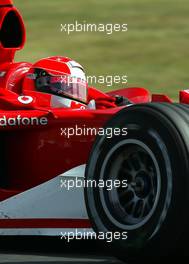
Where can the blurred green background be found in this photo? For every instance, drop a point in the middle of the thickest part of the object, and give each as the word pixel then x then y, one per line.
pixel 153 53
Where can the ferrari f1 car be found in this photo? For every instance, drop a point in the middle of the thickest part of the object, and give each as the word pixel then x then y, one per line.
pixel 42 152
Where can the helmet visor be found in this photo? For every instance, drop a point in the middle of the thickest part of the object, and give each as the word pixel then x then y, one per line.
pixel 64 85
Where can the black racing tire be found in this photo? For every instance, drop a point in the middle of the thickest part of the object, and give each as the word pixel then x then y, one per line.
pixel 153 158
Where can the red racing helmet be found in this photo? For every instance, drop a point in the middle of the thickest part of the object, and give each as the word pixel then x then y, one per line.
pixel 59 76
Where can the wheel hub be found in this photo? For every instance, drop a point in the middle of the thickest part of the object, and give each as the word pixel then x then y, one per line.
pixel 134 162
pixel 142 184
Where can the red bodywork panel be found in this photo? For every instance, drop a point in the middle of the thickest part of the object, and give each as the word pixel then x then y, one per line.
pixel 161 98
pixel 43 153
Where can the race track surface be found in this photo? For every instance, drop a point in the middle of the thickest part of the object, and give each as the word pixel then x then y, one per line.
pixel 52 251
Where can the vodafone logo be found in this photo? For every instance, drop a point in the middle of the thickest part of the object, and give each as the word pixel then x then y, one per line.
pixel 25 99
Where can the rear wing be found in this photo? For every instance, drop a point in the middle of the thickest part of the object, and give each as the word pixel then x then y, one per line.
pixel 12 31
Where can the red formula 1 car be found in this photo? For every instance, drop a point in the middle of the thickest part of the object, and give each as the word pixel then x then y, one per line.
pixel 51 143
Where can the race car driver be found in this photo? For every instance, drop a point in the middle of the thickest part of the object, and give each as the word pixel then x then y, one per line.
pixel 65 81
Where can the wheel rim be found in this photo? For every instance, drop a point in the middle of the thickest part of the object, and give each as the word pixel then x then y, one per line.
pixel 131 207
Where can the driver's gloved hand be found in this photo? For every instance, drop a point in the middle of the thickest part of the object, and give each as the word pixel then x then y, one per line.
pixel 121 100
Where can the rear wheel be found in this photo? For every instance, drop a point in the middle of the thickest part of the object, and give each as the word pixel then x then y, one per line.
pixel 153 159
